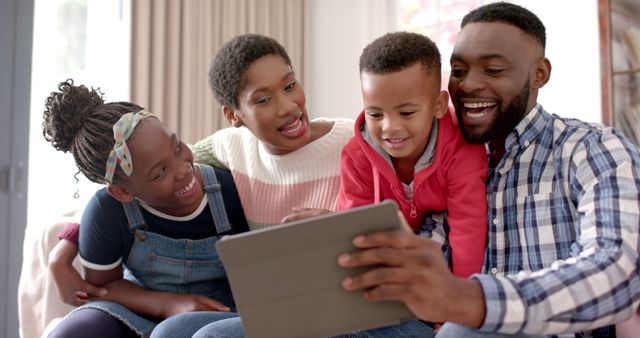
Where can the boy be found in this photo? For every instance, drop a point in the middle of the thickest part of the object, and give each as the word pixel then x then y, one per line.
pixel 407 147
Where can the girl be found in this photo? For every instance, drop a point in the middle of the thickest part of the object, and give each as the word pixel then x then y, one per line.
pixel 148 237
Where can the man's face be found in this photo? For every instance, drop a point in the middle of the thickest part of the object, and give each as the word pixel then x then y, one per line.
pixel 492 67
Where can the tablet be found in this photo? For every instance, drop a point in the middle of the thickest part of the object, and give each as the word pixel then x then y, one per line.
pixel 287 283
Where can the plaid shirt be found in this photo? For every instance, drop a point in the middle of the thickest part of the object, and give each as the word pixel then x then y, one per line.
pixel 562 251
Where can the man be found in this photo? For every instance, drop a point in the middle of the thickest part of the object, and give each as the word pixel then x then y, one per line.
pixel 563 197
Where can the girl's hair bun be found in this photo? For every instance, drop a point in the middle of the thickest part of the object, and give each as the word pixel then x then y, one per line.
pixel 66 113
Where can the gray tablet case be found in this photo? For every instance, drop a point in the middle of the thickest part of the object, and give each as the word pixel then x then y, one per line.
pixel 287 283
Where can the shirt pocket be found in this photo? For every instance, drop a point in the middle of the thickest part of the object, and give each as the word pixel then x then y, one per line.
pixel 545 236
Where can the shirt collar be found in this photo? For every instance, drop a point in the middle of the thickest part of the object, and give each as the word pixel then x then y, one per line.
pixel 528 129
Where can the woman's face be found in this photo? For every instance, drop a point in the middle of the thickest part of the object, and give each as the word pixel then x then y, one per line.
pixel 272 105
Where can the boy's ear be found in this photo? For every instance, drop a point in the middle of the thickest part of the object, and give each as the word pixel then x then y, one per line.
pixel 232 116
pixel 442 103
pixel 120 193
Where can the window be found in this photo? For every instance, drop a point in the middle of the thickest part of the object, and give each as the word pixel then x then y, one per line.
pixel 439 20
pixel 88 41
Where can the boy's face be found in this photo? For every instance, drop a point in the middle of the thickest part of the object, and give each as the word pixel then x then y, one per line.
pixel 163 174
pixel 495 72
pixel 400 108
pixel 272 106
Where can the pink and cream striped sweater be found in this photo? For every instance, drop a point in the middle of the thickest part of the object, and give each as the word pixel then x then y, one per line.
pixel 270 186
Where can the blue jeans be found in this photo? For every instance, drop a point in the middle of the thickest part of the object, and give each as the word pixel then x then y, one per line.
pixel 451 330
pixel 195 324
pixel 410 329
pixel 232 328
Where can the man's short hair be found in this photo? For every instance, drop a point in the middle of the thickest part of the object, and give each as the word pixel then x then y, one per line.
pixel 510 14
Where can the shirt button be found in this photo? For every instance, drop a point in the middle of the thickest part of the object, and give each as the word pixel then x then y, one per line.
pixel 494 270
pixel 526 143
pixel 496 221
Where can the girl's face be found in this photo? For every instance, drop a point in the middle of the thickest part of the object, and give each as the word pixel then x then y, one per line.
pixel 272 106
pixel 163 173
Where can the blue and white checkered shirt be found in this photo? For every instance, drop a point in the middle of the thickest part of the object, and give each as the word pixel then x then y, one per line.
pixel 564 219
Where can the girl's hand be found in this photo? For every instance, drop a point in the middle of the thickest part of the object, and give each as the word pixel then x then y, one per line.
pixel 179 303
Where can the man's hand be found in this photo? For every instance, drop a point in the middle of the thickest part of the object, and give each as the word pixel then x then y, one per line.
pixel 411 269
pixel 72 289
pixel 303 213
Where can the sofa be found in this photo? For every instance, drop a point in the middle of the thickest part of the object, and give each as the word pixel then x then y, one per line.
pixel 39 307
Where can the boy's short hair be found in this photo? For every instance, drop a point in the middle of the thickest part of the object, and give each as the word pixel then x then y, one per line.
pixel 393 52
pixel 510 14
pixel 232 61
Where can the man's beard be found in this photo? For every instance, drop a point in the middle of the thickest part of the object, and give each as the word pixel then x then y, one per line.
pixel 503 123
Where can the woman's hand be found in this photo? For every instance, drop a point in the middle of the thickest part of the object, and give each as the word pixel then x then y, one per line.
pixel 303 213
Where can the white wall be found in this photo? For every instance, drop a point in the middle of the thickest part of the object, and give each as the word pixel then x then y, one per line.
pixel 573 47
pixel 337 30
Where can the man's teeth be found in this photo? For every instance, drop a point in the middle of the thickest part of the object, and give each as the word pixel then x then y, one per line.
pixel 475 105
pixel 189 187
pixel 476 115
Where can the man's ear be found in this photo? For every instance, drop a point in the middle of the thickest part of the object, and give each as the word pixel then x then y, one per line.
pixel 232 116
pixel 542 73
pixel 120 193
pixel 442 103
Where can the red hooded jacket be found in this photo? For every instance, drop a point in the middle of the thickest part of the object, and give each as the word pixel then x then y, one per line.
pixel 454 181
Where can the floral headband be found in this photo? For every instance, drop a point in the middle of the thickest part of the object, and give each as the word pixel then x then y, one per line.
pixel 120 154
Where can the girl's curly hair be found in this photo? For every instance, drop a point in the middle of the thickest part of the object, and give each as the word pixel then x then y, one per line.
pixel 77 119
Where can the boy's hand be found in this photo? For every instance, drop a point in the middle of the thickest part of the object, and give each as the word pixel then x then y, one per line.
pixel 72 289
pixel 178 303
pixel 303 213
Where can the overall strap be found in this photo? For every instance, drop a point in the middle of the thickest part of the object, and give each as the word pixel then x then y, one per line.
pixel 214 197
pixel 134 216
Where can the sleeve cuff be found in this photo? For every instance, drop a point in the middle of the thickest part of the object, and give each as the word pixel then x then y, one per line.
pixel 505 312
pixel 70 232
pixel 493 295
pixel 100 267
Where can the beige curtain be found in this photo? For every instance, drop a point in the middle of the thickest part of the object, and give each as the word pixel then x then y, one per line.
pixel 174 41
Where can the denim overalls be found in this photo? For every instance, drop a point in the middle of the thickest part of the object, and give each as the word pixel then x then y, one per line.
pixel 161 263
